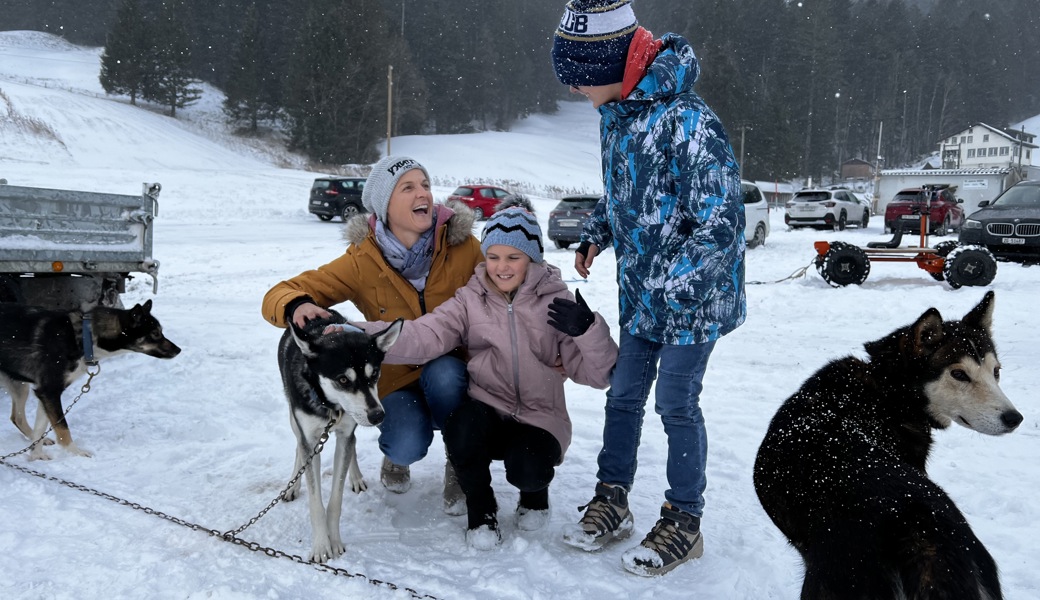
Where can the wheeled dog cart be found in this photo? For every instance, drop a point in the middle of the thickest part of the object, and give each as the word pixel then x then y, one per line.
pixel 841 264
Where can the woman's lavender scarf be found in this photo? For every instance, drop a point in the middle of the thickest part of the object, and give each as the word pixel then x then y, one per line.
pixel 412 263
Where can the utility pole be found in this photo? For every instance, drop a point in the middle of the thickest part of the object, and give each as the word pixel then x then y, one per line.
pixel 743 128
pixel 389 104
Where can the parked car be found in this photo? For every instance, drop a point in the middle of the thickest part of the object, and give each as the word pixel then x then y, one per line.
pixel 825 208
pixel 1009 226
pixel 483 199
pixel 567 217
pixel 945 213
pixel 756 210
pixel 336 197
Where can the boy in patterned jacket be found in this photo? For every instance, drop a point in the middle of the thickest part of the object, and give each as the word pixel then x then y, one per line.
pixel 671 210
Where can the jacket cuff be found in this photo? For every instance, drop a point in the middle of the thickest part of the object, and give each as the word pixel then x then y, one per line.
pixel 293 304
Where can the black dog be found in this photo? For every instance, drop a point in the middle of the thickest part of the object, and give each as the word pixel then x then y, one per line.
pixel 841 471
pixel 46 349
pixel 331 378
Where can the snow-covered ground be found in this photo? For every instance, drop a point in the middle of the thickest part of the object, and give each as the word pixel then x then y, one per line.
pixel 205 437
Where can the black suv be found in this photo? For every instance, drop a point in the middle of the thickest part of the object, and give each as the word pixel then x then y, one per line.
pixel 336 196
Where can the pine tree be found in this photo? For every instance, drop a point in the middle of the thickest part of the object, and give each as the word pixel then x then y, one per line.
pixel 247 89
pixel 123 60
pixel 169 81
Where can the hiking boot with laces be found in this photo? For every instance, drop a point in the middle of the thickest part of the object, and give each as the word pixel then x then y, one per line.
pixel 454 497
pixel 396 478
pixel 607 519
pixel 675 539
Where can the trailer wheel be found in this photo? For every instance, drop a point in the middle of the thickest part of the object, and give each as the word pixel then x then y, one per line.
pixel 11 290
pixel 943 249
pixel 844 264
pixel 970 266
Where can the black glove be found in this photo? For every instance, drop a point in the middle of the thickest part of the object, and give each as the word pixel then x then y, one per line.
pixel 583 249
pixel 570 317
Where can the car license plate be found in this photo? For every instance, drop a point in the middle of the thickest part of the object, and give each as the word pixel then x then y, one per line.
pixel 315 202
pixel 568 222
pixel 911 217
pixel 1012 241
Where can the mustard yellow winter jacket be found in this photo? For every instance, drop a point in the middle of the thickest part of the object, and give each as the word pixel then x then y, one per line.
pixel 363 277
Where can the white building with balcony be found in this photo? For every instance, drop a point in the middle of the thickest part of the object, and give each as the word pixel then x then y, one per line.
pixel 983 147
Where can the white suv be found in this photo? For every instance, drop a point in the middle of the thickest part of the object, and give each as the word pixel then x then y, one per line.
pixel 831 209
pixel 756 210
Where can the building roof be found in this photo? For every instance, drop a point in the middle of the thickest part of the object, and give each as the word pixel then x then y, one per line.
pixel 938 172
pixel 1012 136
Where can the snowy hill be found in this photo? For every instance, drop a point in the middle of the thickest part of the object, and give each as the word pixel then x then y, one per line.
pixel 205 438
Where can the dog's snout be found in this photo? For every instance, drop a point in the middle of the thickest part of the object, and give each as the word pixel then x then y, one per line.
pixel 375 416
pixel 1011 419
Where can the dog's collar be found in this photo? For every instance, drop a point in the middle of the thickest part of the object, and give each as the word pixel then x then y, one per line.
pixel 88 340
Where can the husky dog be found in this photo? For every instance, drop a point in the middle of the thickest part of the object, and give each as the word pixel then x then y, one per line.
pixel 331 377
pixel 48 350
pixel 841 471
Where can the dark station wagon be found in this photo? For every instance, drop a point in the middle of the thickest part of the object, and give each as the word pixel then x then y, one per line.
pixel 336 197
pixel 1009 226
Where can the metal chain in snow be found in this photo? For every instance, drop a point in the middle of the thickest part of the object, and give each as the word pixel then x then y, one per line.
pixel 795 275
pixel 230 536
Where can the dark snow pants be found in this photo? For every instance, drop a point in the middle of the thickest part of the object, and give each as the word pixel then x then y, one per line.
pixel 474 435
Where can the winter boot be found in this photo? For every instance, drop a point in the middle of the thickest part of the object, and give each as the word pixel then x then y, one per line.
pixel 675 539
pixel 482 532
pixel 607 519
pixel 532 513
pixel 396 478
pixel 454 497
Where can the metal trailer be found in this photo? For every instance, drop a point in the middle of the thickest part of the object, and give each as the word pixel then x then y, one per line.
pixel 65 249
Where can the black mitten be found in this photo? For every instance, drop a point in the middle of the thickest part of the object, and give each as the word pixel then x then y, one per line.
pixel 570 317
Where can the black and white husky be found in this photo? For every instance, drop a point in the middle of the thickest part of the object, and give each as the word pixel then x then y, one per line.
pixel 48 350
pixel 841 471
pixel 331 377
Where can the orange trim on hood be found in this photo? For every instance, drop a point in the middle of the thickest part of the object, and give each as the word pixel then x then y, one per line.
pixel 641 53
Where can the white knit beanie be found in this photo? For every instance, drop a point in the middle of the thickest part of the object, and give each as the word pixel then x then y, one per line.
pixel 382 181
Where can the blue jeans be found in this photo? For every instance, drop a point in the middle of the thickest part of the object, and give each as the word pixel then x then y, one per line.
pixel 678 371
pixel 413 413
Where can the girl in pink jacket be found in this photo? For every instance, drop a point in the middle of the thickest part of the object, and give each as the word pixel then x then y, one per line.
pixel 525 335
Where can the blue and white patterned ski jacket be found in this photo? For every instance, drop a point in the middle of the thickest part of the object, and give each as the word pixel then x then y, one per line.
pixel 671 207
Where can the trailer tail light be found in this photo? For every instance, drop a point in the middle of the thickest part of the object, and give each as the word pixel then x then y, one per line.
pixel 57 266
pixel 822 247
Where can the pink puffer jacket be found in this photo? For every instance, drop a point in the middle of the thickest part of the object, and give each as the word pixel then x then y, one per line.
pixel 512 347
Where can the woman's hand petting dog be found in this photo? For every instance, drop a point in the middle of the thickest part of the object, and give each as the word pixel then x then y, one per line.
pixel 307 312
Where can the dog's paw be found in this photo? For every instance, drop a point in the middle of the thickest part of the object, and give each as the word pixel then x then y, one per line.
pixel 326 551
pixel 77 451
pixel 358 485
pixel 47 442
pixel 292 493
pixel 38 454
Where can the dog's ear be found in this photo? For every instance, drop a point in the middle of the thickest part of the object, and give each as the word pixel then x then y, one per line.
pixel 386 338
pixel 926 333
pixel 303 340
pixel 981 317
pixel 147 306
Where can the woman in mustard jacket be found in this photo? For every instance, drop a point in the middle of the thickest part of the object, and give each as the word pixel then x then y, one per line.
pixel 406 258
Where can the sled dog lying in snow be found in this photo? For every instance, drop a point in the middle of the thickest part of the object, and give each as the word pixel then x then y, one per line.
pixel 331 378
pixel 46 349
pixel 841 471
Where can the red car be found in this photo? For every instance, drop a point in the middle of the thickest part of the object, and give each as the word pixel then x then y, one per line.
pixel 945 211
pixel 483 199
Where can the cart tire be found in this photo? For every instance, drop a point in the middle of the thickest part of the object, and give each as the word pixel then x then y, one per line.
pixel 943 249
pixel 969 266
pixel 845 264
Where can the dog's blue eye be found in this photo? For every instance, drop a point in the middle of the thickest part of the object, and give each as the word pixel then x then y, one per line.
pixel 960 375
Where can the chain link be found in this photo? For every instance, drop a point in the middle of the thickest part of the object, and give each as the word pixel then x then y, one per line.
pixel 230 536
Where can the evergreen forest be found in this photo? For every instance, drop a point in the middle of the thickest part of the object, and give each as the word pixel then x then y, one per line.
pixel 801 85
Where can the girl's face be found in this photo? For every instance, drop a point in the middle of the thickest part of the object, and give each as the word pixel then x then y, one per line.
pixel 506 267
pixel 410 212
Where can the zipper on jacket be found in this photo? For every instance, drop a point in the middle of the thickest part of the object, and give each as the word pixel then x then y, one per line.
pixel 516 357
pixel 422 302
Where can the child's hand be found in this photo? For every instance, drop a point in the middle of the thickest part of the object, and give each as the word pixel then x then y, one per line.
pixel 338 327
pixel 572 318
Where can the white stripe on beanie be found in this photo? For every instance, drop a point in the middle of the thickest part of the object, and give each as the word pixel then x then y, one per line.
pixel 597 23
